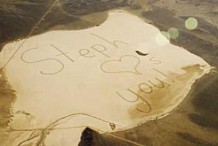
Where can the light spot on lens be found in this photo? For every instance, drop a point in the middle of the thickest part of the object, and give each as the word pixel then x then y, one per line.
pixel 191 23
pixel 162 38
pixel 173 32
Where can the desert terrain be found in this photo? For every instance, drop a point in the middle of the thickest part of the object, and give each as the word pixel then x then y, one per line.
pixel 193 122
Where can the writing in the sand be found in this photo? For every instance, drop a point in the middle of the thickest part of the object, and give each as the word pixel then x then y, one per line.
pixel 107 66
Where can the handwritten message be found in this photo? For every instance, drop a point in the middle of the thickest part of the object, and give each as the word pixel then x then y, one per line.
pixel 126 64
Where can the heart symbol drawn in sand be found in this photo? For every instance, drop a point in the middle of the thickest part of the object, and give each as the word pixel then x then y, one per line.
pixel 126 64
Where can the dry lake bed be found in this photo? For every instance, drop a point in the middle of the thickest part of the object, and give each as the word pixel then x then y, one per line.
pixel 112 77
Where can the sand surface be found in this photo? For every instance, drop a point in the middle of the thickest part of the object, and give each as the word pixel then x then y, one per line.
pixel 96 78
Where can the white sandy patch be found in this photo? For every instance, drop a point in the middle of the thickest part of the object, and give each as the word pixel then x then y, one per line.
pixel 94 77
